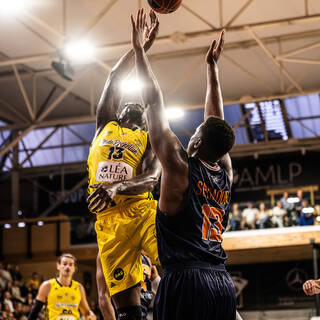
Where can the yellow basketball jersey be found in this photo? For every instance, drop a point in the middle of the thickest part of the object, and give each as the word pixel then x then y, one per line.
pixel 115 155
pixel 63 302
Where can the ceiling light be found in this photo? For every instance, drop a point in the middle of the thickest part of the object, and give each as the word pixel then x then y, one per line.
pixel 7 225
pixel 40 223
pixel 11 7
pixel 131 85
pixel 174 113
pixel 21 224
pixel 81 50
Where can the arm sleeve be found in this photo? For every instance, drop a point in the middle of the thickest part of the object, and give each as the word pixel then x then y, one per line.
pixel 33 315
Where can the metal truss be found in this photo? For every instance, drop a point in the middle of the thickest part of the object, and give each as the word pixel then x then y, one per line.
pixel 20 125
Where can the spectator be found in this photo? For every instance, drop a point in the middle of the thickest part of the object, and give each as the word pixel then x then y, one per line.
pixel 263 217
pixel 306 215
pixel 235 221
pixel 3 281
pixel 289 207
pixel 16 274
pixel 16 292
pixel 278 214
pixel 35 282
pixel 249 217
pixel 7 301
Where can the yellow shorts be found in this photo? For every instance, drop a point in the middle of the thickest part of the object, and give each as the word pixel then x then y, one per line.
pixel 122 234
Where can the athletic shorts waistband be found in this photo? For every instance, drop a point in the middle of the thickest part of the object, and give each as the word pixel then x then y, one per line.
pixel 194 265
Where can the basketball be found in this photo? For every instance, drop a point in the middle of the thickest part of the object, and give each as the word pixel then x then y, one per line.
pixel 164 6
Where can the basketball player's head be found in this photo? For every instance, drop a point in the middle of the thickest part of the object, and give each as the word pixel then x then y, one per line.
pixel 66 265
pixel 212 140
pixel 132 116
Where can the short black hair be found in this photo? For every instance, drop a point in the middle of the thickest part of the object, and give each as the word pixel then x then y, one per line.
pixel 218 138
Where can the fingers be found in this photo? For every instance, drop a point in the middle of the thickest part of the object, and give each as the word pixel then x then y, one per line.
pixel 213 45
pixel 93 195
pixel 97 203
pixel 221 41
pixel 153 17
pixel 132 21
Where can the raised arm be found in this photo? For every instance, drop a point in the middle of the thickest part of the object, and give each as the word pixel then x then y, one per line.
pixel 111 95
pixel 144 182
pixel 164 142
pixel 214 102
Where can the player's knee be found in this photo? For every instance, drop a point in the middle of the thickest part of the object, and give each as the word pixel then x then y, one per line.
pixel 129 313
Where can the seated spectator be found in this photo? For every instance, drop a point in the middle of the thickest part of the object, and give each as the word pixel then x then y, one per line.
pixel 18 310
pixel 278 214
pixel 7 301
pixel 306 218
pixel 235 221
pixel 289 207
pixel 263 218
pixel 16 292
pixel 16 274
pixel 3 282
pixel 249 217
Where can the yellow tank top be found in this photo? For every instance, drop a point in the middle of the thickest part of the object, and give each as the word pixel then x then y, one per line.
pixel 63 302
pixel 116 154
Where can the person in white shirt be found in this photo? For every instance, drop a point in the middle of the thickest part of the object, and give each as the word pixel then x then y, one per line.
pixel 249 217
pixel 278 214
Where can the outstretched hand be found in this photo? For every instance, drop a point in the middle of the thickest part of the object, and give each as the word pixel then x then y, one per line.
pixel 151 32
pixel 215 50
pixel 311 287
pixel 138 29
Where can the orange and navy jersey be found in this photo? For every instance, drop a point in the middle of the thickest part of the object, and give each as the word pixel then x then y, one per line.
pixel 116 154
pixel 195 233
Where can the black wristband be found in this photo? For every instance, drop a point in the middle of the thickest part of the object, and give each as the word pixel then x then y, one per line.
pixel 33 315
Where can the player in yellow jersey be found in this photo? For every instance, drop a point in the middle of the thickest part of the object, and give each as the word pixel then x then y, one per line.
pixel 122 172
pixel 62 296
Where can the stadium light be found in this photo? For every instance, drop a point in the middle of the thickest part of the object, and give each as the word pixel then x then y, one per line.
pixel 40 223
pixel 78 51
pixel 174 113
pixel 19 213
pixel 131 85
pixel 7 226
pixel 12 7
pixel 21 224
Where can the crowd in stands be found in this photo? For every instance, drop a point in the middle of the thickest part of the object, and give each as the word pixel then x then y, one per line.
pixel 17 294
pixel 287 212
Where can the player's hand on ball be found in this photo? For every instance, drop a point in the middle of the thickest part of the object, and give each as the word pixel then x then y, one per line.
pixel 311 287
pixel 215 50
pixel 138 28
pixel 151 32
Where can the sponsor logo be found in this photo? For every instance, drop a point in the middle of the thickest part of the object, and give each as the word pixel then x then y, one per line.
pixel 118 274
pixel 117 143
pixel 109 171
pixel 112 285
pixel 59 297
pixel 66 305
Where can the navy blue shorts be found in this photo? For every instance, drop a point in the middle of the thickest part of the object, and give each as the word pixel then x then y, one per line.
pixel 196 291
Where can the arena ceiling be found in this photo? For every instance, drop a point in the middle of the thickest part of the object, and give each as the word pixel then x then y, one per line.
pixel 272 51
